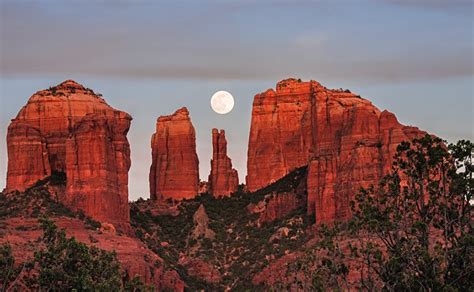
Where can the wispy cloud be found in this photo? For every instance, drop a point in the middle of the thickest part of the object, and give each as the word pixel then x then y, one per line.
pixel 216 42
pixel 433 3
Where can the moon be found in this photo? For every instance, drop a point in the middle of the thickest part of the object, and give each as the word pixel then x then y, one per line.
pixel 222 102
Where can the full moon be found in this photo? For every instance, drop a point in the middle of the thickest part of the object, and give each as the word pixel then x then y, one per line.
pixel 222 102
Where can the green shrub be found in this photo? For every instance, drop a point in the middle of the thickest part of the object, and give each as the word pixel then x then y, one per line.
pixel 66 264
pixel 7 270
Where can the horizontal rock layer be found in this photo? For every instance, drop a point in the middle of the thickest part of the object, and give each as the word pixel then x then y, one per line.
pixel 223 179
pixel 276 206
pixel 70 129
pixel 347 142
pixel 174 171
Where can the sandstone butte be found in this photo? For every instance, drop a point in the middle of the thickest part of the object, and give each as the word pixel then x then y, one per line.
pixel 345 141
pixel 174 172
pixel 223 179
pixel 70 129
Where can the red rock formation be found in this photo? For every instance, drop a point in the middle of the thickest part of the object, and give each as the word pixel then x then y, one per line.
pixel 277 271
pixel 174 170
pixel 278 274
pixel 201 225
pixel 346 141
pixel 95 178
pixel 62 129
pixel 354 148
pixel 275 206
pixel 280 133
pixel 201 269
pixel 223 179
pixel 203 187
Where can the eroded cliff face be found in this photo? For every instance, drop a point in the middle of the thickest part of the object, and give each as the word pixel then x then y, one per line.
pixel 280 132
pixel 97 164
pixel 70 129
pixel 347 142
pixel 275 206
pixel 223 179
pixel 174 172
pixel 354 147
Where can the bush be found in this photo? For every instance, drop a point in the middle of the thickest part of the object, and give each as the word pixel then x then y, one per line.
pixel 7 270
pixel 66 264
pixel 57 178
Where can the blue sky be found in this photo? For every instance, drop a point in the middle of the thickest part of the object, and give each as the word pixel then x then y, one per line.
pixel 414 58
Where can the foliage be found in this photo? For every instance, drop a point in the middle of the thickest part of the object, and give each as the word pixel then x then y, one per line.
pixel 135 285
pixel 411 232
pixel 240 249
pixel 7 270
pixel 58 178
pixel 421 213
pixel 322 267
pixel 65 264
pixel 36 201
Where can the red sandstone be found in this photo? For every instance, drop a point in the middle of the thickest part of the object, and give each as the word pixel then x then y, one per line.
pixel 346 141
pixel 223 179
pixel 174 170
pixel 61 130
pixel 275 206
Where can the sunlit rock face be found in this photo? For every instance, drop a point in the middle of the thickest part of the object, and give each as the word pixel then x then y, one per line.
pixel 97 164
pixel 174 173
pixel 347 142
pixel 280 132
pixel 223 179
pixel 70 129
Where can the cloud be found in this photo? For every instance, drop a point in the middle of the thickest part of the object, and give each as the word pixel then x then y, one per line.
pixel 213 42
pixel 435 3
pixel 448 6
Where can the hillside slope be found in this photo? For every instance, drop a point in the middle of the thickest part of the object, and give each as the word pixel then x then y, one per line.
pixel 19 227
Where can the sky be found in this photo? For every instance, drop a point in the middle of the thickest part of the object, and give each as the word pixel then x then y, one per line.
pixel 149 58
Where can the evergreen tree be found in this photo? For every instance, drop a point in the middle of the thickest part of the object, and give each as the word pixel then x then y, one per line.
pixel 412 232
pixel 421 215
pixel 64 264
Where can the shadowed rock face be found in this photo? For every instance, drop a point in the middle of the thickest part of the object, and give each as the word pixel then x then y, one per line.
pixel 69 129
pixel 275 206
pixel 223 179
pixel 346 141
pixel 174 170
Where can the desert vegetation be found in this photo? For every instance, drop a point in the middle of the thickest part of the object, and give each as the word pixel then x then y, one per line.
pixel 412 232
